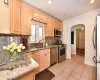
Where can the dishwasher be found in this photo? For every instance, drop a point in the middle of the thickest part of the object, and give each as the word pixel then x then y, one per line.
pixel 53 55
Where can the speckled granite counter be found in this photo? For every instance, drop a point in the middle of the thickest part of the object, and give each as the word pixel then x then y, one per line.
pixel 12 75
pixel 37 49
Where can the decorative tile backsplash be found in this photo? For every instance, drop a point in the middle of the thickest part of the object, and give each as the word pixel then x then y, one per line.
pixel 49 40
pixel 4 41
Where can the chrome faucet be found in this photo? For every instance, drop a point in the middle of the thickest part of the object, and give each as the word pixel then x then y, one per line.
pixel 43 42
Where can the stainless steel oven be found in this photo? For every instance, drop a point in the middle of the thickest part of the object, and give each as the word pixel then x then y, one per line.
pixel 62 53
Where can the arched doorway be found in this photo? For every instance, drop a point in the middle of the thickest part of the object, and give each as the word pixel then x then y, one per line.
pixel 78 40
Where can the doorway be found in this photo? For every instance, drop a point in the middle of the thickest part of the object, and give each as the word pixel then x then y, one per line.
pixel 78 40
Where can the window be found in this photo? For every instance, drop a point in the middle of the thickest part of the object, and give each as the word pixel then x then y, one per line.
pixel 33 30
pixel 37 30
pixel 40 32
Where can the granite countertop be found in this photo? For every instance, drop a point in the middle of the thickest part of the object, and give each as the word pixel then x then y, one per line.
pixel 15 73
pixel 37 49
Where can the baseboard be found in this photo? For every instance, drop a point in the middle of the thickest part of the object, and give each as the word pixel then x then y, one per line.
pixel 90 64
pixel 68 57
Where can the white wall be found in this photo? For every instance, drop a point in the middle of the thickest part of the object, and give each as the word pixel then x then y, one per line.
pixel 73 46
pixel 88 19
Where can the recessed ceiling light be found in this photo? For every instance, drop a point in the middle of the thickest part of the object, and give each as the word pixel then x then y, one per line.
pixel 92 1
pixel 49 1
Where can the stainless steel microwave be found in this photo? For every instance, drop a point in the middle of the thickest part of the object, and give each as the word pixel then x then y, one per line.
pixel 57 33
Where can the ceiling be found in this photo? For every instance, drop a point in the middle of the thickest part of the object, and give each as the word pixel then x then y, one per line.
pixel 58 8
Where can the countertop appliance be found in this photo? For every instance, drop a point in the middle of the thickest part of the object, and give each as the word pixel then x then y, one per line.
pixel 96 44
pixel 57 33
pixel 53 55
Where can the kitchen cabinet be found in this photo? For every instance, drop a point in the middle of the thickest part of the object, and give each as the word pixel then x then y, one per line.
pixel 28 76
pixel 44 18
pixel 49 29
pixel 57 24
pixel 15 16
pixel 26 16
pixel 10 17
pixel 51 25
pixel 39 16
pixel 42 57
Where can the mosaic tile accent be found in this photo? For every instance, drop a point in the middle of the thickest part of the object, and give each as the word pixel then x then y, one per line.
pixel 49 40
pixel 4 41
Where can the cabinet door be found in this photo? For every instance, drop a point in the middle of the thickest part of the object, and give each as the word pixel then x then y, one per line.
pixel 15 9
pixel 36 14
pixel 37 59
pixel 50 27
pixel 42 61
pixel 4 17
pixel 47 61
pixel 43 18
pixel 25 19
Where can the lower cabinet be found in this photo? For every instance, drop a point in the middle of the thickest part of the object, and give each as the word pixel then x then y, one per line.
pixel 27 76
pixel 43 59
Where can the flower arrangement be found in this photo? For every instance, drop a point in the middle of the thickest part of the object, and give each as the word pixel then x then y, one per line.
pixel 13 49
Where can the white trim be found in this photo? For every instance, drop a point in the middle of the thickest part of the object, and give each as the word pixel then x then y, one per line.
pixel 91 64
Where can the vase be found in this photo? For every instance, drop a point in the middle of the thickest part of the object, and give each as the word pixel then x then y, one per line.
pixel 13 58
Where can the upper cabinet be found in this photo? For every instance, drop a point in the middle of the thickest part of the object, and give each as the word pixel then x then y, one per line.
pixel 51 25
pixel 39 16
pixel 10 17
pixel 26 17
pixel 15 16
pixel 49 29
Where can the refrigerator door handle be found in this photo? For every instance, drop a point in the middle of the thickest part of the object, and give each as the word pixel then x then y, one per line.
pixel 94 59
pixel 93 37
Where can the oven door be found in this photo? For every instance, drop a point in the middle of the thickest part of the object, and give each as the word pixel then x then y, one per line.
pixel 62 52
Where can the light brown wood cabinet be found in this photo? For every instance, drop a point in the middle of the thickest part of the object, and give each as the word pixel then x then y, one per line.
pixel 42 57
pixel 49 29
pixel 10 17
pixel 15 18
pixel 26 16
pixel 51 25
pixel 27 76
pixel 39 16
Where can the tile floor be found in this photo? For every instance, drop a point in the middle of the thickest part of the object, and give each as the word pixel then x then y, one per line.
pixel 73 69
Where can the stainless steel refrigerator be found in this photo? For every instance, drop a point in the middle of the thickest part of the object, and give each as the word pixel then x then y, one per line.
pixel 96 44
pixel 98 47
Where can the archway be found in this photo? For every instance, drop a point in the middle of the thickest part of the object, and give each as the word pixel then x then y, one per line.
pixel 78 40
